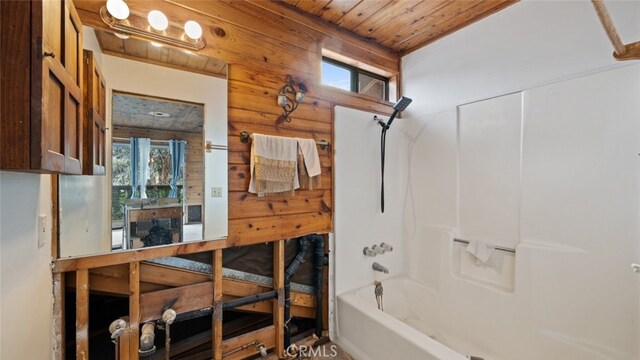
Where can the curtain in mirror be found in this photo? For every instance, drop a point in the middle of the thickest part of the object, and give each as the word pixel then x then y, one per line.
pixel 176 149
pixel 144 147
pixel 133 142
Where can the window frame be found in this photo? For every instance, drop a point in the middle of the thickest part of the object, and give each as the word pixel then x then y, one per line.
pixel 354 72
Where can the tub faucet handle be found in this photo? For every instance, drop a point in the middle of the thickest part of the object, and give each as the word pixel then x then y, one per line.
pixel 386 247
pixel 378 249
pixel 369 252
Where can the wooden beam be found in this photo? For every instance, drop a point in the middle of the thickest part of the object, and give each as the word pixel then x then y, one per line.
pixel 244 232
pixel 114 280
pixel 170 275
pixel 181 299
pixel 134 307
pixel 216 319
pixel 245 345
pixel 58 317
pixel 125 341
pixel 278 303
pixel 82 314
pixel 127 256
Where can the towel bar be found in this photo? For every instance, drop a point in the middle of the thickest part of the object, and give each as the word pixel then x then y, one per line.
pixel 509 250
pixel 245 136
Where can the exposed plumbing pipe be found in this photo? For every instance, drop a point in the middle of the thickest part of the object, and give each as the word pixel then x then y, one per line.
pixel 116 328
pixel 303 246
pixel 242 347
pixel 147 339
pixel 247 300
pixel 319 262
pixel 169 316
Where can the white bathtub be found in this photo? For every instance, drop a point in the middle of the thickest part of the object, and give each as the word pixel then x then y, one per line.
pixel 400 332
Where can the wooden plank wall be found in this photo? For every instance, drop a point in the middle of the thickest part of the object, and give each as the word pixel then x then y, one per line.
pixel 263 42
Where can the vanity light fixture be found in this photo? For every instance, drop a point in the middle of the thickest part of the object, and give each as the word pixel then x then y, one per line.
pixel 193 30
pixel 121 36
pixel 118 9
pixel 152 26
pixel 158 20
pixel 289 98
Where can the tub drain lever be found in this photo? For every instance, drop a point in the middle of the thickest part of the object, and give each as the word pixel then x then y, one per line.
pixel 378 291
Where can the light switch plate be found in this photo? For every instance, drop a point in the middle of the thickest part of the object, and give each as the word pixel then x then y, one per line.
pixel 42 230
pixel 216 191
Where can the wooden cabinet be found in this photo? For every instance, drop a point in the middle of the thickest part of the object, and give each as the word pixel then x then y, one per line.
pixel 95 88
pixel 41 128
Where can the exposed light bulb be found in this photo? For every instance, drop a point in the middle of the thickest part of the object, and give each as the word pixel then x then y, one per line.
pixel 282 100
pixel 118 9
pixel 158 20
pixel 193 30
pixel 121 36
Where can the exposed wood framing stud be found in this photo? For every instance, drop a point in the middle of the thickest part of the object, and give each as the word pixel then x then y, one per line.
pixel 278 303
pixel 217 305
pixel 58 317
pixel 82 314
pixel 134 307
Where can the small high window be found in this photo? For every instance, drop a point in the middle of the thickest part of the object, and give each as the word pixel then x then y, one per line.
pixel 350 78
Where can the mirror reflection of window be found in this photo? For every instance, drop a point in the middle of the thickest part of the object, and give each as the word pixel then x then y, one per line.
pixel 156 142
pixel 159 183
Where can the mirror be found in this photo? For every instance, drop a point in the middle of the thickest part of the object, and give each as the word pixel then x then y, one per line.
pixel 161 185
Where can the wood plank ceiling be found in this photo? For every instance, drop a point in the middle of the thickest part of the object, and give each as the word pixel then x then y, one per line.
pixel 153 113
pixel 400 25
pixel 142 50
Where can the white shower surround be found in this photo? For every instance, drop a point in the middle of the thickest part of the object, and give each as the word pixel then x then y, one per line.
pixel 574 295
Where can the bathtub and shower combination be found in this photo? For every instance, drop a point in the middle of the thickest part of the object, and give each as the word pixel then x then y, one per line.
pixel 401 331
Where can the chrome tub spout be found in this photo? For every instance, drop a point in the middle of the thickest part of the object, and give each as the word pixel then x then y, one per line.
pixel 378 267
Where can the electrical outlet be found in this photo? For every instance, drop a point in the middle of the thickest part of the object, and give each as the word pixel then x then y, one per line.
pixel 42 230
pixel 216 191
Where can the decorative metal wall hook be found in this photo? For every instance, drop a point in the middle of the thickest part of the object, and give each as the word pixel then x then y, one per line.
pixel 289 98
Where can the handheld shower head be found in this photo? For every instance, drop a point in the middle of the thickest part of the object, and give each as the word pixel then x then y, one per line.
pixel 399 106
pixel 402 103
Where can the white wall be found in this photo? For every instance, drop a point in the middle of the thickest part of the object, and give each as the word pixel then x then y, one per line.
pixel 574 294
pixel 358 221
pixel 25 274
pixel 528 44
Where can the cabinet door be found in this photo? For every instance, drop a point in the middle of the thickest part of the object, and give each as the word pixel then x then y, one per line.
pixel 57 138
pixel 94 122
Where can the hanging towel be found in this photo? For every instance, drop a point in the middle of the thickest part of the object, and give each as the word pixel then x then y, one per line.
pixel 481 251
pixel 309 170
pixel 273 165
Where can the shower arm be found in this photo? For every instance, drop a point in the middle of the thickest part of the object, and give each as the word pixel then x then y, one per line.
pixel 382 123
